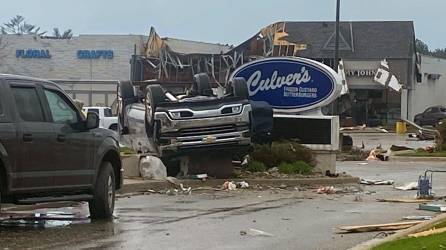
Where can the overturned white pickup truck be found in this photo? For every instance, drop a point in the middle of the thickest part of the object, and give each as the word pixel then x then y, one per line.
pixel 197 124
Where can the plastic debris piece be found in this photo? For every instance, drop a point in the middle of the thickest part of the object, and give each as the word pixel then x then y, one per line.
pixel 326 190
pixel 408 186
pixel 242 184
pixel 255 232
pixel 376 182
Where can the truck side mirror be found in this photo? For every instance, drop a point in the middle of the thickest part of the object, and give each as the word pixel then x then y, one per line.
pixel 92 120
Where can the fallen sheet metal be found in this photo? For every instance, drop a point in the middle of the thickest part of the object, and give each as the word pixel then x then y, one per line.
pixel 408 186
pixel 405 200
pixel 376 182
pixel 418 217
pixel 433 207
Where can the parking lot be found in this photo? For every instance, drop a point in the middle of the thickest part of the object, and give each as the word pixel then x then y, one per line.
pixel 296 219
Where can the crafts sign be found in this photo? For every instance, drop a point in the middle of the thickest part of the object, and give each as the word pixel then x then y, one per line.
pixel 290 84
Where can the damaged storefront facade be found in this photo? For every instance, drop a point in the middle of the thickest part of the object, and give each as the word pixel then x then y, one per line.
pixel 363 46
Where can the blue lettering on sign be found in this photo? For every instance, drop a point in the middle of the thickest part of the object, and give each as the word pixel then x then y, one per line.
pixel 32 53
pixel 94 54
pixel 290 84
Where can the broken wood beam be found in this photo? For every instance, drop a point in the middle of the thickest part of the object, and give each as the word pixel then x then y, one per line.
pixel 379 227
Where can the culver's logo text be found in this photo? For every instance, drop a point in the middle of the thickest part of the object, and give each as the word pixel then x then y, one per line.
pixel 258 83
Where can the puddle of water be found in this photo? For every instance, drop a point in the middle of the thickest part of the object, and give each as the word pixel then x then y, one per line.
pixel 41 220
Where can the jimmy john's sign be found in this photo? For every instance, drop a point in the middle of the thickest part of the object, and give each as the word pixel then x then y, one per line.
pixel 361 72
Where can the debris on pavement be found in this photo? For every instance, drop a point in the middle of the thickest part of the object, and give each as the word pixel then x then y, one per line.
pixel 408 186
pixel 42 220
pixel 428 232
pixel 378 154
pixel 330 174
pixel 433 207
pixel 202 177
pixel 255 232
pixel 404 200
pixel 326 190
pixel 358 198
pixel 376 182
pixel 242 184
pixel 378 227
pixel 229 185
pixel 418 217
pixel 152 167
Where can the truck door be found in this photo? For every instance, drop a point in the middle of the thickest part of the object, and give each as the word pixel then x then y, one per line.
pixel 74 146
pixel 35 164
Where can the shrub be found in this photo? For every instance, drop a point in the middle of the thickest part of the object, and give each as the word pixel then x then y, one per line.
pixel 298 167
pixel 282 151
pixel 255 166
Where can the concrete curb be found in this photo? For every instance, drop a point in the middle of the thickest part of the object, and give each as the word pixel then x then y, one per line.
pixel 133 185
pixel 416 159
pixel 400 234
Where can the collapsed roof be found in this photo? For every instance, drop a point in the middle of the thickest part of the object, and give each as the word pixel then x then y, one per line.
pixel 175 60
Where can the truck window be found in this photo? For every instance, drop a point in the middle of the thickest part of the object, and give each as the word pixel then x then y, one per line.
pixel 108 112
pixel 28 104
pixel 96 111
pixel 61 111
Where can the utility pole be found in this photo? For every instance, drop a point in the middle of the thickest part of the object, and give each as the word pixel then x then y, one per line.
pixel 336 55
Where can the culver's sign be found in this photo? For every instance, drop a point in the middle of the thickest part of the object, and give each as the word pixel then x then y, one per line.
pixel 290 84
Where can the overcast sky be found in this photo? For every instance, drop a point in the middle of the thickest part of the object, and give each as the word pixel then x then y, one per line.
pixel 223 21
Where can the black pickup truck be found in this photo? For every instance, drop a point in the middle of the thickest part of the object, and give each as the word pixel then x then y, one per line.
pixel 50 152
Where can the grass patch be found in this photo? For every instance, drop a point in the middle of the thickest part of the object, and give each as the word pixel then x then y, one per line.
pixel 436 241
pixel 126 151
pixel 255 166
pixel 426 154
pixel 298 167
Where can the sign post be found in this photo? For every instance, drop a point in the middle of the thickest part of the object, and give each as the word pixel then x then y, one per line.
pixel 295 88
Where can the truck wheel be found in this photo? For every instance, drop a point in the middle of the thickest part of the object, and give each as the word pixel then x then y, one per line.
pixel 201 84
pixel 240 87
pixel 126 90
pixel 103 203
pixel 155 95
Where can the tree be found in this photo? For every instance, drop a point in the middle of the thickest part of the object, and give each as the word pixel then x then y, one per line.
pixel 17 25
pixel 67 34
pixel 422 47
pixel 441 53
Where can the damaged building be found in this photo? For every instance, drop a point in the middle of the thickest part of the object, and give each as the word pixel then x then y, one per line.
pixel 362 45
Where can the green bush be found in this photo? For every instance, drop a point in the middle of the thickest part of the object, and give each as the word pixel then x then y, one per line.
pixel 298 167
pixel 255 166
pixel 282 152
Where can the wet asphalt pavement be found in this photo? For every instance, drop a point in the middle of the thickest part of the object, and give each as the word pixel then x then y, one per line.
pixel 218 219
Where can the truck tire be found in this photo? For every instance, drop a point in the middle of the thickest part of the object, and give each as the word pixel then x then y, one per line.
pixel 240 87
pixel 202 85
pixel 126 90
pixel 155 95
pixel 103 203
